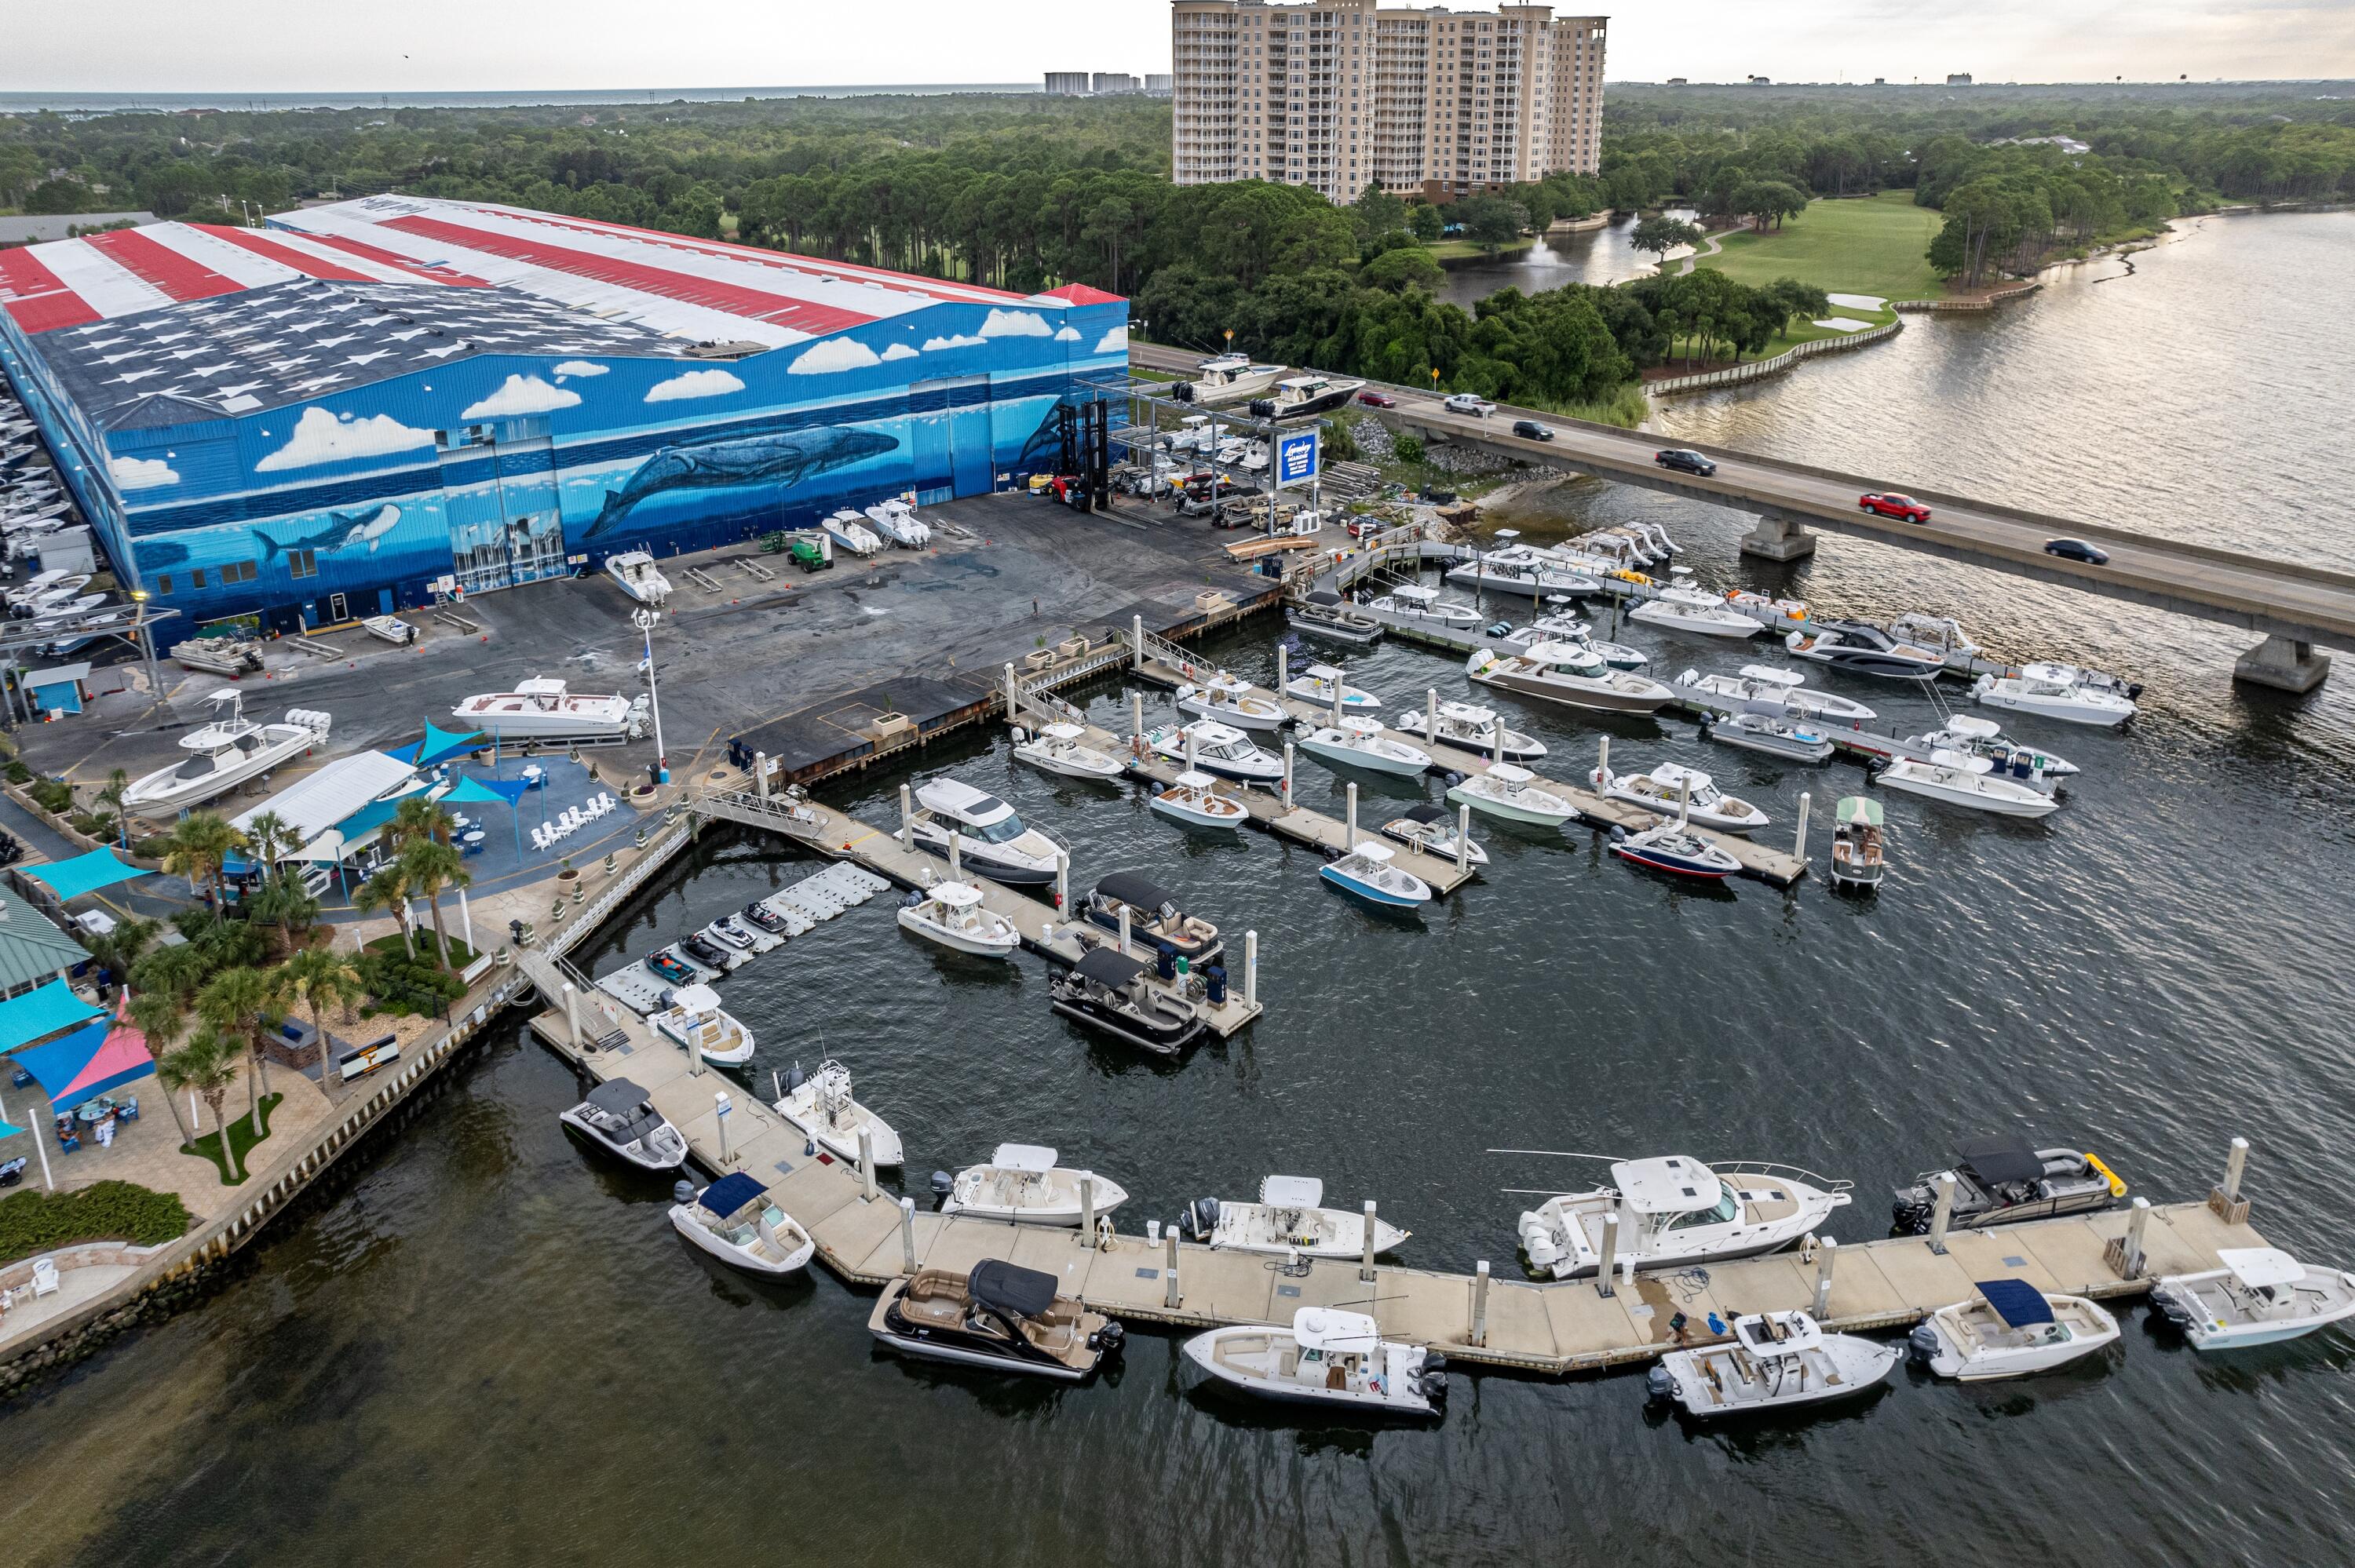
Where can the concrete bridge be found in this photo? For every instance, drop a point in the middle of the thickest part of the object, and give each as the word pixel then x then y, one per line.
pixel 2294 607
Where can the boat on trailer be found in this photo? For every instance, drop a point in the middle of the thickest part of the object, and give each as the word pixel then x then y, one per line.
pixel 635 572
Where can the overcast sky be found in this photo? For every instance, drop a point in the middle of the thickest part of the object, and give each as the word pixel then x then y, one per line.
pixel 423 46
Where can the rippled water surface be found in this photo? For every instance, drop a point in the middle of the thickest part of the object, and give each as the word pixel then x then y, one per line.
pixel 484 1345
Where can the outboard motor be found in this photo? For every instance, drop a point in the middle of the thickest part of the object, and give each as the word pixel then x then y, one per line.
pixel 1202 1218
pixel 682 1190
pixel 943 1187
pixel 1618 833
pixel 1182 392
pixel 1658 1383
pixel 1108 1341
pixel 1430 1377
pixel 1922 1344
pixel 796 1080
pixel 1262 408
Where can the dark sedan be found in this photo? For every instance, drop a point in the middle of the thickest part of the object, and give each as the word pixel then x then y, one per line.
pixel 2077 550
pixel 1530 430
pixel 1686 458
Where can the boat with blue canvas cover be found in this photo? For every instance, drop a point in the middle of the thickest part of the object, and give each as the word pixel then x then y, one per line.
pixel 734 1221
pixel 2010 1329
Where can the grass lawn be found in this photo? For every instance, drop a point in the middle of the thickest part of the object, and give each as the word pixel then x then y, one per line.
pixel 1871 246
pixel 1467 249
pixel 428 950
pixel 240 1138
pixel 33 1221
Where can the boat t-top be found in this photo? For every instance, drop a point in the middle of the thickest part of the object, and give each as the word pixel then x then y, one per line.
pixel 1775 1360
pixel 694 1019
pixel 896 521
pixel 735 1220
pixel 849 532
pixel 541 709
pixel 1357 742
pixel 1527 573
pixel 1222 696
pixel 1512 792
pixel 638 576
pixel 1194 800
pixel 1956 779
pixel 1674 1211
pixel 1287 1219
pixel 1569 675
pixel 2261 1296
pixel 1326 1357
pixel 1765 689
pixel 619 1118
pixel 2056 692
pixel 1467 727
pixel 1976 737
pixel 1687 792
pixel 1941 632
pixel 1366 872
pixel 1422 606
pixel 1317 684
pixel 2008 1328
pixel 1023 1184
pixel 990 837
pixel 223 754
pixel 1863 649
pixel 953 915
pixel 822 1108
pixel 1060 747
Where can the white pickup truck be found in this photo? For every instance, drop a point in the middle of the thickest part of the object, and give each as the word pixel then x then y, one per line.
pixel 1470 403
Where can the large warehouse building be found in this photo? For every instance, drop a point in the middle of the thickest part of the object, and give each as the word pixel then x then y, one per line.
pixel 332 416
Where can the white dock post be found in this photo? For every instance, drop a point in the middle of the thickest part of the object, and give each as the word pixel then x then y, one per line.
pixel 1806 802
pixel 907 1235
pixel 867 1164
pixel 695 1053
pixel 1250 968
pixel 907 819
pixel 1282 670
pixel 1087 1208
pixel 1337 701
pixel 467 920
pixel 1610 1259
pixel 1063 880
pixel 1136 716
pixel 1366 1268
pixel 1431 715
pixel 1287 775
pixel 1136 638
pixel 1479 1303
pixel 1496 738
pixel 572 1013
pixel 1945 1213
pixel 2138 1221
pixel 1463 838
pixel 1169 1295
pixel 760 774
pixel 722 1105
pixel 1124 930
pixel 956 860
pixel 1013 696
pixel 1602 766
pixel 1824 1255
pixel 1349 844
pixel 2236 1163
pixel 1189 749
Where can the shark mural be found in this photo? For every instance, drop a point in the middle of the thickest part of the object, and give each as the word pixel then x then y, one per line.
pixel 343 530
pixel 783 460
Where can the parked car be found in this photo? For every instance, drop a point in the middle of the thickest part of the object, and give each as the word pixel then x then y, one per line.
pixel 2077 550
pixel 1892 504
pixel 1373 399
pixel 1530 430
pixel 1686 458
pixel 1470 403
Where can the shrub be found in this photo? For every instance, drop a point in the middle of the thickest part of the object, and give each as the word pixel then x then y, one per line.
pixel 95 824
pixel 52 796
pixel 1407 449
pixel 33 1221
pixel 19 774
pixel 399 984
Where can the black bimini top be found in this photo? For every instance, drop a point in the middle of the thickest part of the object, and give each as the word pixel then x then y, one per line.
pixel 1136 889
pixel 1108 968
pixel 1000 1286
pixel 620 1097
pixel 1427 812
pixel 1996 1161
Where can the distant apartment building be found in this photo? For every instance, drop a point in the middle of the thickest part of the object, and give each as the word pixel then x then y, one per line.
pixel 1959 79
pixel 1156 85
pixel 1067 83
pixel 1112 81
pixel 1337 95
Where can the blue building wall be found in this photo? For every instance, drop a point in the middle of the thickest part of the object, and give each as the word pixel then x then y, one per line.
pixel 498 467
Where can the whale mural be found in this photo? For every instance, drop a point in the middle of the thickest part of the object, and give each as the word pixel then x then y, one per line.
pixel 783 460
pixel 343 530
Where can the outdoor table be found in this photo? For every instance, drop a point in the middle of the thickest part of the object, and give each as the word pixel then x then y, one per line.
pixel 92 1112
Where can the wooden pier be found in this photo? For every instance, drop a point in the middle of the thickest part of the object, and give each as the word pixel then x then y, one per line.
pixel 869 1238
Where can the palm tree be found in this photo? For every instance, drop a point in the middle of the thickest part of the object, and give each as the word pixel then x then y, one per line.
pixel 161 1020
pixel 430 865
pixel 287 904
pixel 234 1003
pixel 198 845
pixel 273 836
pixel 117 783
pixel 388 889
pixel 419 821
pixel 316 976
pixel 175 971
pixel 206 1064
pixel 120 949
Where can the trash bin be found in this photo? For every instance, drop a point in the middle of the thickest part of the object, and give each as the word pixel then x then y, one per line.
pixel 1216 974
pixel 1165 964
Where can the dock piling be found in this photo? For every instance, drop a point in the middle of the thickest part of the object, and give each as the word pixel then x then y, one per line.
pixel 1496 738
pixel 1945 1213
pixel 2236 1163
pixel 695 1053
pixel 1287 775
pixel 1063 882
pixel 907 1235
pixel 1337 701
pixel 1087 1208
pixel 1366 1268
pixel 956 860
pixel 1250 968
pixel 1124 930
pixel 1463 838
pixel 1013 696
pixel 760 774
pixel 1602 766
pixel 1136 639
pixel 907 819
pixel 572 1014
pixel 1610 1254
pixel 867 1164
pixel 1479 1335
pixel 1807 801
pixel 1431 715
pixel 2138 1221
pixel 721 1105
pixel 1283 669
pixel 1170 1293
pixel 1824 1255
pixel 1136 719
pixel 1350 836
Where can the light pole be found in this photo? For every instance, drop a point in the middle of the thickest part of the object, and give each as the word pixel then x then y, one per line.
pixel 645 620
pixel 146 644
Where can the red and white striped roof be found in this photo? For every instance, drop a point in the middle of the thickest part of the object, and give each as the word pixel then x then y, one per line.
pixel 74 283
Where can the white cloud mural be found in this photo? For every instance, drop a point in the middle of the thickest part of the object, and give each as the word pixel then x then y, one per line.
pixel 899 351
pixel 1069 334
pixel 834 354
pixel 581 367
pixel 320 437
pixel 1114 341
pixel 962 339
pixel 694 383
pixel 1016 324
pixel 521 394
pixel 141 473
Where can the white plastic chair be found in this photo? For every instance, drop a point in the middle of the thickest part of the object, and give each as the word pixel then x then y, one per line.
pixel 45 1276
pixel 539 838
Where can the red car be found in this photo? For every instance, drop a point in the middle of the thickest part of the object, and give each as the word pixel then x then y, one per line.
pixel 1894 505
pixel 1373 399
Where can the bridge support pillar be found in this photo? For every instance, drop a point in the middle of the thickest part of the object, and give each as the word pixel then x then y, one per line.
pixel 2283 665
pixel 1778 538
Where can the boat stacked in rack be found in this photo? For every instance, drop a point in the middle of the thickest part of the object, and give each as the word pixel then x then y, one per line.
pixel 2003 1181
pixel 1224 379
pixel 1299 397
pixel 542 709
pixel 1154 918
pixel 1687 791
pixel 1467 727
pixel 1431 830
pixel 2008 1329
pixel 223 753
pixel 1194 800
pixel 1571 675
pixel 2260 1296
pixel 1317 683
pixel 735 1220
pixel 1326 1357
pixel 1775 1360
pixel 638 576
pixel 1366 872
pixel 1224 697
pixel 619 1118
pixel 1109 991
pixel 1512 792
pixel 1764 689
pixel 692 1019
pixel 999 1316
pixel 1023 1185
pixel 2058 692
pixel 1673 1212
pixel 1060 747
pixel 991 837
pixel 1206 746
pixel 1690 610
pixel 1862 649
pixel 1976 737
pixel 1287 1219
pixel 1768 735
pixel 1956 779
pixel 823 1109
pixel 1357 742
pixel 1419 606
pixel 953 915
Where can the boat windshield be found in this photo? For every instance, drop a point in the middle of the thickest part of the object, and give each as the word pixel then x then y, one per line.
pixel 1003 832
pixel 1726 1209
